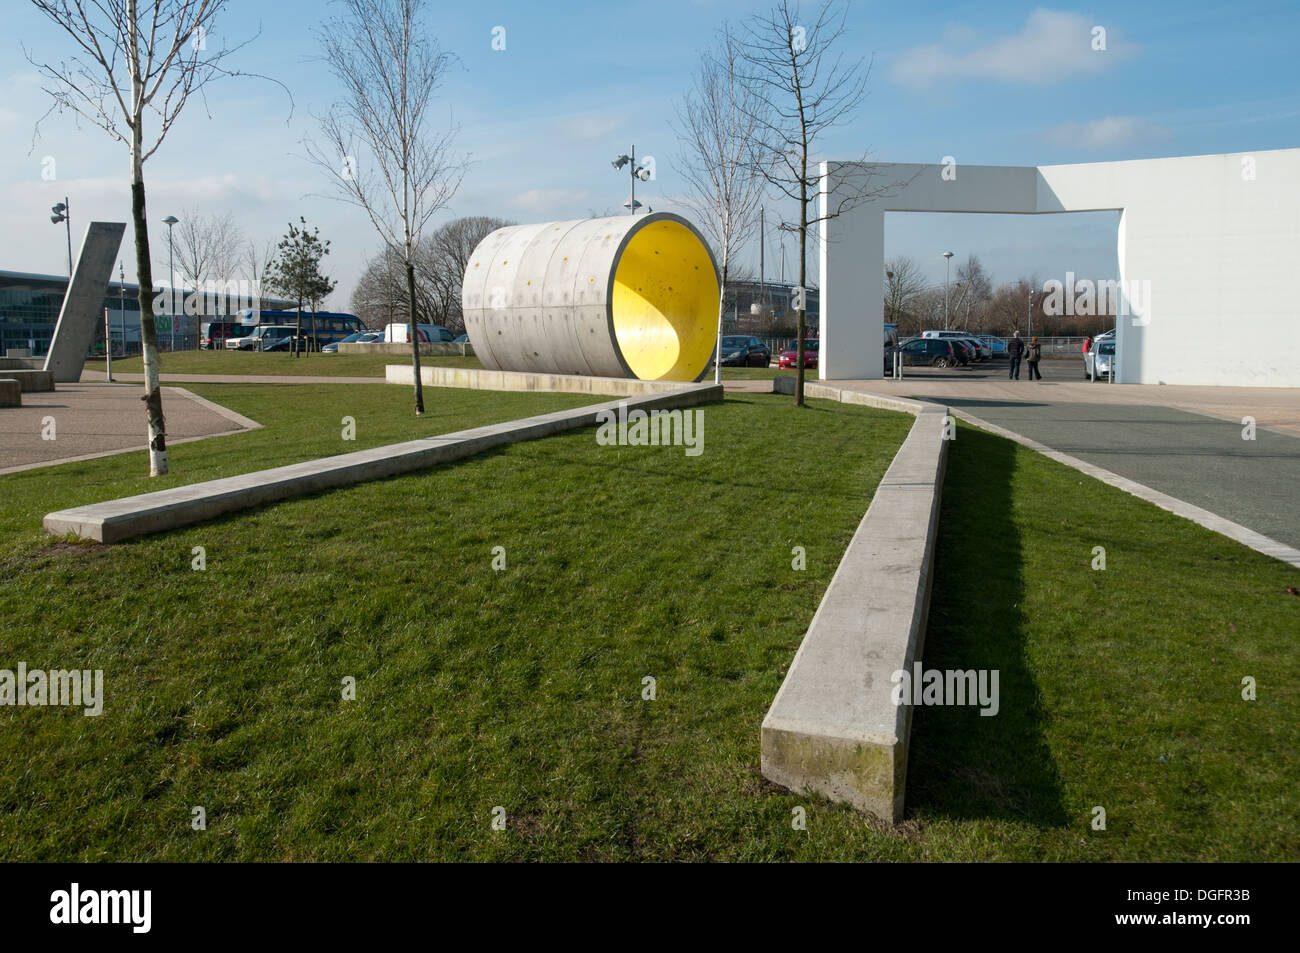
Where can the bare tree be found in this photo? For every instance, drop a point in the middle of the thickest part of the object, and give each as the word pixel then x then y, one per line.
pixel 444 259
pixel 136 57
pixel 720 118
pixel 804 91
pixel 389 68
pixel 976 290
pixel 903 282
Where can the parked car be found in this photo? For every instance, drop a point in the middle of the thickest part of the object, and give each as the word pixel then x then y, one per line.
pixel 360 337
pixel 460 339
pixel 928 352
pixel 285 342
pixel 401 333
pixel 997 346
pixel 980 349
pixel 1099 360
pixel 263 338
pixel 741 350
pixel 789 357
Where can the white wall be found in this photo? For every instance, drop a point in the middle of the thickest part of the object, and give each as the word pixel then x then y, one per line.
pixel 1216 247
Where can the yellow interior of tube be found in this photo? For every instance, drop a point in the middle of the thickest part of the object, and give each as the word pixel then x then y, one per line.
pixel 665 303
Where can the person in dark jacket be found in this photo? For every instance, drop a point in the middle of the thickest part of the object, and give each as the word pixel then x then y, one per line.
pixel 1034 354
pixel 1015 348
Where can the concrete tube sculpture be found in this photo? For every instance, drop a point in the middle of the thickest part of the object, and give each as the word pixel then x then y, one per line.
pixel 626 296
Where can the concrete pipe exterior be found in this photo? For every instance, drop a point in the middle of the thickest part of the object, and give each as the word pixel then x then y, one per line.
pixel 626 296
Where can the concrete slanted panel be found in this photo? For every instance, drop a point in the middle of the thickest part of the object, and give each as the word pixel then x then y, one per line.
pixel 83 305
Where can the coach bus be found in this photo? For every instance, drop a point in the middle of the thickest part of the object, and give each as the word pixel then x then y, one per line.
pixel 318 328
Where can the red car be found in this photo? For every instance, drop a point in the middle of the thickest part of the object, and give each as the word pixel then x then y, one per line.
pixel 790 357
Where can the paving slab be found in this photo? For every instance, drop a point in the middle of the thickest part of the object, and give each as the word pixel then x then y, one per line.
pixel 95 420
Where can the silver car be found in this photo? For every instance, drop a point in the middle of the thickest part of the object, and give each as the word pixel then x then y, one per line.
pixel 1099 360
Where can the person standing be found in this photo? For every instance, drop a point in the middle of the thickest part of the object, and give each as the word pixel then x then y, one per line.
pixel 1015 348
pixel 1034 354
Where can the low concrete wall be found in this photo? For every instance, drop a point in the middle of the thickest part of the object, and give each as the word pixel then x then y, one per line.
pixel 11 392
pixel 21 363
pixel 163 510
pixel 31 380
pixel 463 349
pixel 833 727
pixel 523 380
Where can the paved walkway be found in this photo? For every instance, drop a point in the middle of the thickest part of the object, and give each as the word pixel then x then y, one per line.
pixel 97 420
pixel 1184 442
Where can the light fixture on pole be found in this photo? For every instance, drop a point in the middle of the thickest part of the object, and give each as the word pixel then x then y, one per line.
pixel 169 221
pixel 63 213
pixel 946 274
pixel 636 172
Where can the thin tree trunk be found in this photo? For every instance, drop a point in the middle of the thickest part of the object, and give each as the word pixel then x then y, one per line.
pixel 803 287
pixel 297 332
pixel 148 331
pixel 415 336
pixel 722 303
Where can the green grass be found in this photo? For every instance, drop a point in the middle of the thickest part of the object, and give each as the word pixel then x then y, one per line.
pixel 277 364
pixel 328 365
pixel 301 422
pixel 523 688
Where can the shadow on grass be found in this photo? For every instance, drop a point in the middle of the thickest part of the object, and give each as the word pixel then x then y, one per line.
pixel 963 764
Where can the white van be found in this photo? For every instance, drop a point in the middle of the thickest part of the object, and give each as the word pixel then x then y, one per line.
pixel 401 333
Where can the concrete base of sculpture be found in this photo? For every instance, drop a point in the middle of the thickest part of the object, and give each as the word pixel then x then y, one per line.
pixel 11 393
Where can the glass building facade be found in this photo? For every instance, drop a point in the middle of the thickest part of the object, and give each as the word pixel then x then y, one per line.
pixel 30 304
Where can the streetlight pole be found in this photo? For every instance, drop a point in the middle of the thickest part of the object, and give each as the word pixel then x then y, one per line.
pixel 121 301
pixel 947 273
pixel 637 172
pixel 169 221
pixel 63 213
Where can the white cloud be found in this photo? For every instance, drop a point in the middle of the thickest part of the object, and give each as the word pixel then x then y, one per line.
pixel 1106 133
pixel 1053 45
pixel 540 200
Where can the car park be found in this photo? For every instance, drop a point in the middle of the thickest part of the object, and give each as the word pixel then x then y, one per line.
pixel 928 352
pixel 360 337
pixel 428 333
pixel 740 350
pixel 979 349
pixel 285 342
pixel 790 357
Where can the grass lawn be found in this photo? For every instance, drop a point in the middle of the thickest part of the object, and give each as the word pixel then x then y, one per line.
pixel 523 688
pixel 276 364
pixel 342 365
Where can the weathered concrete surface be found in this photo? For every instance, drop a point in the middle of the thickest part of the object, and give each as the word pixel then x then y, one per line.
pixel 21 363
pixel 427 349
pixel 11 392
pixel 31 381
pixel 163 510
pixel 83 305
pixel 833 727
pixel 528 381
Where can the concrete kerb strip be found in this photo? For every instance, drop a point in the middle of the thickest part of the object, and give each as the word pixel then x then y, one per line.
pixel 1202 517
pixel 833 727
pixel 132 516
pixel 474 379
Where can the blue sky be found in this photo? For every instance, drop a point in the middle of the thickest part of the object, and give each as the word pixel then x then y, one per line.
pixel 578 82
